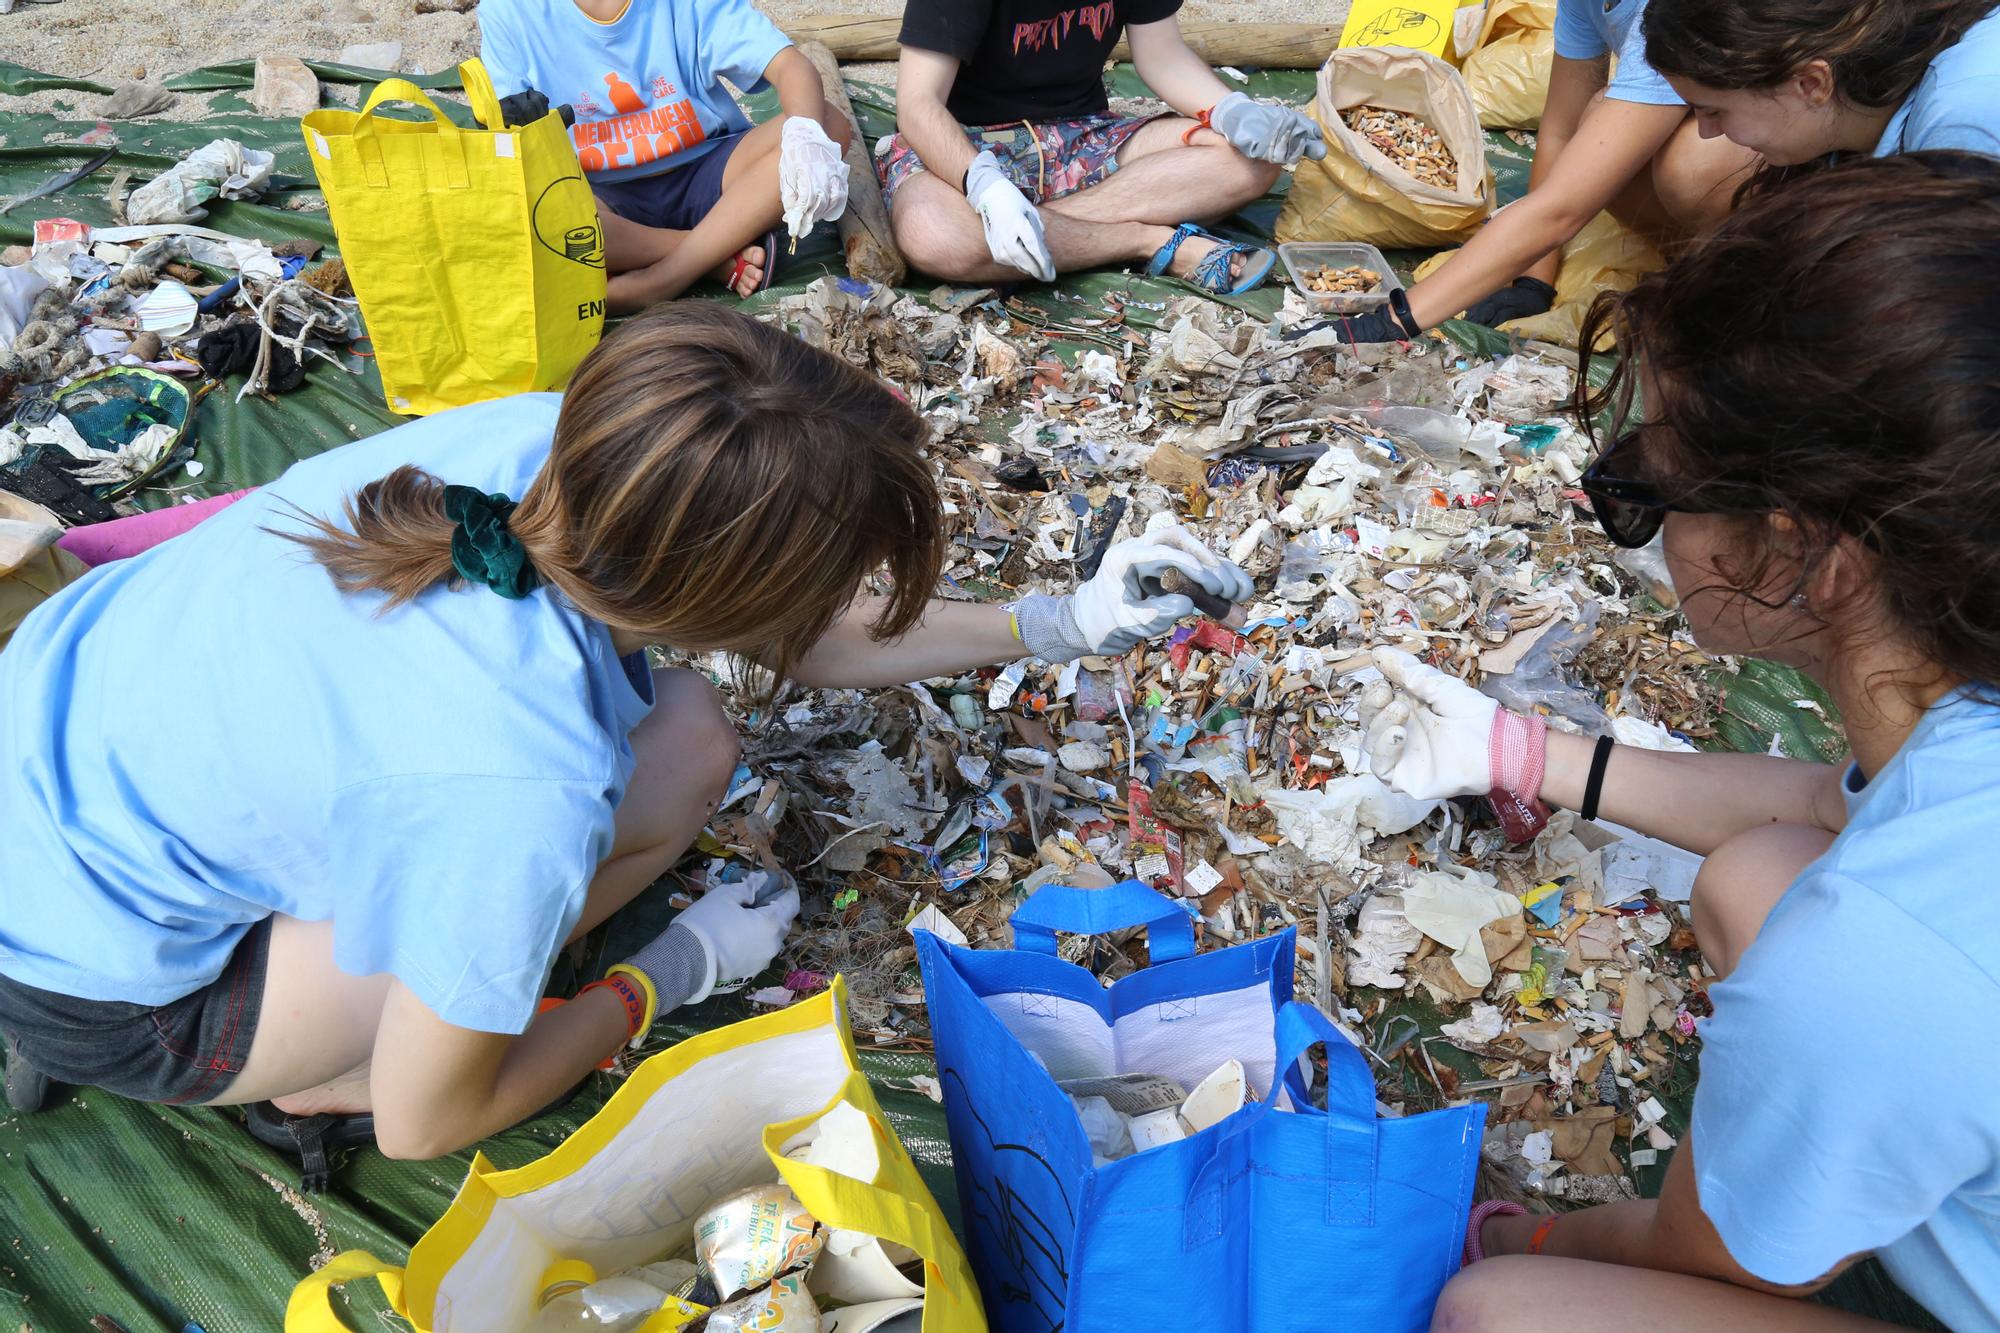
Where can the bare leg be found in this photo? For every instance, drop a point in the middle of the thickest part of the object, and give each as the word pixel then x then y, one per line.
pixel 316 1028
pixel 630 245
pixel 1690 187
pixel 750 206
pixel 1517 1292
pixel 1741 882
pixel 1126 218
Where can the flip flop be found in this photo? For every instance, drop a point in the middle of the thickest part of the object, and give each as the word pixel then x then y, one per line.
pixel 1212 274
pixel 310 1140
pixel 770 244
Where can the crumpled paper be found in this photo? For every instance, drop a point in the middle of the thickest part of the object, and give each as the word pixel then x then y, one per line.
pixel 1336 822
pixel 1452 905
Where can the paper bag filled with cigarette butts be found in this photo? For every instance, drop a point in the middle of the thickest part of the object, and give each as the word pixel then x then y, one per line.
pixel 745 1179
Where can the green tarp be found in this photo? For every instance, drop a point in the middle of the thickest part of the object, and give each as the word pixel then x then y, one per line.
pixel 157 1216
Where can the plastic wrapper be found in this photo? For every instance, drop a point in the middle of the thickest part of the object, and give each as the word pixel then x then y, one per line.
pixel 1537 684
pixel 746 1239
pixel 785 1306
pixel 222 168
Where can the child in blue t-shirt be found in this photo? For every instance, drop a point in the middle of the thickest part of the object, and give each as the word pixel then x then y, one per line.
pixel 686 187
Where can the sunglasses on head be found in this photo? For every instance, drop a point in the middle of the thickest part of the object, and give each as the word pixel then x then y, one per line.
pixel 1631 510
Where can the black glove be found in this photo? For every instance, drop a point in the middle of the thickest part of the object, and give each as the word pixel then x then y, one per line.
pixel 1392 323
pixel 1517 300
pixel 525 108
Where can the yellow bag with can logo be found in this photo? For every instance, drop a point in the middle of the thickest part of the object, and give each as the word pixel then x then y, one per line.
pixel 476 253
pixel 710 1116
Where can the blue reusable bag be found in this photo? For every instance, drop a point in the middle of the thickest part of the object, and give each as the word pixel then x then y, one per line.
pixel 1280 1219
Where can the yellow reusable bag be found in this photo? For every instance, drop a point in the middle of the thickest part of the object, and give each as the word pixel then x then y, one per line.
pixel 706 1118
pixel 1443 28
pixel 477 254
pixel 1509 71
pixel 1356 193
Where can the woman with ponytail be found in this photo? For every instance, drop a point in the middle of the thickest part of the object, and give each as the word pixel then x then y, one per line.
pixel 300 806
pixel 1797 81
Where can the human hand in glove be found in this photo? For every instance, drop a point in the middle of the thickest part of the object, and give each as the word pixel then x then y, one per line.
pixel 730 935
pixel 1013 228
pixel 812 175
pixel 1427 734
pixel 1517 300
pixel 1265 132
pixel 1114 611
pixel 1391 323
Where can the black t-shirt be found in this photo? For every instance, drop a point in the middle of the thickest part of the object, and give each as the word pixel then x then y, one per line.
pixel 1026 59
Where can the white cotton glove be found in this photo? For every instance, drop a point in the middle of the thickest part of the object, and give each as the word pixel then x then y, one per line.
pixel 1265 132
pixel 1013 227
pixel 738 937
pixel 812 176
pixel 1112 612
pixel 1428 735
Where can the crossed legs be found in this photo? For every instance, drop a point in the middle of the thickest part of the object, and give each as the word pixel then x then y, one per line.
pixel 316 1028
pixel 1125 218
pixel 653 264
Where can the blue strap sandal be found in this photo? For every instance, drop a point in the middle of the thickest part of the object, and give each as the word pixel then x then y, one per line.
pixel 1212 273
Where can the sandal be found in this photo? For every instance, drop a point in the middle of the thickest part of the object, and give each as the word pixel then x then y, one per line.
pixel 27 1087
pixel 770 244
pixel 310 1140
pixel 1212 274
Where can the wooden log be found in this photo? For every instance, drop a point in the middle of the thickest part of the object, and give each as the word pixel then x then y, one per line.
pixel 864 228
pixel 1252 45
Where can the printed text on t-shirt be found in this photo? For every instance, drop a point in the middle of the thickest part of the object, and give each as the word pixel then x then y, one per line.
pixel 1049 32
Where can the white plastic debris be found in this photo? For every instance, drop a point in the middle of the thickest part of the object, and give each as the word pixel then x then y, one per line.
pixel 223 168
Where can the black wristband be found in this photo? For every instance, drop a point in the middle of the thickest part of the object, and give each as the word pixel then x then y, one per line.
pixel 1399 308
pixel 1593 787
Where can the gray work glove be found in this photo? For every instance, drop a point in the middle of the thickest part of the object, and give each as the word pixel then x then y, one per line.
pixel 1265 132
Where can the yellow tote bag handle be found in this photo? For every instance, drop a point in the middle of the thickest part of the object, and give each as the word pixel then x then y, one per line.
pixel 310 1309
pixel 364 132
pixel 479 93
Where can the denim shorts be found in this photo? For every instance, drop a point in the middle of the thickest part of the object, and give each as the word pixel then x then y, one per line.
pixel 676 199
pixel 188 1050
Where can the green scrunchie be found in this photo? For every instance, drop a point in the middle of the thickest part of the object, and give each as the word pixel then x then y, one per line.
pixel 482 549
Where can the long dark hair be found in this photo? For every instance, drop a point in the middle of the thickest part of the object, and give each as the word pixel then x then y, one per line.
pixel 1834 344
pixel 1877 49
pixel 714 484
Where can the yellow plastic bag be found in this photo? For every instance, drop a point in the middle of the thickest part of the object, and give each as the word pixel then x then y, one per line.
pixel 1444 28
pixel 1356 193
pixel 477 254
pixel 1606 256
pixel 1508 72
pixel 696 1122
pixel 32 570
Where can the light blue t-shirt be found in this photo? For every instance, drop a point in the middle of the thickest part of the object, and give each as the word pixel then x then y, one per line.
pixel 647 86
pixel 1957 102
pixel 1588 29
pixel 1849 1099
pixel 210 732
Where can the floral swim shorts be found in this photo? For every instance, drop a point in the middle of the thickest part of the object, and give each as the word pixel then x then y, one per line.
pixel 1046 160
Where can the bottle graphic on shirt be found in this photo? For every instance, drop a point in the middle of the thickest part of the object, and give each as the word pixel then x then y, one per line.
pixel 625 98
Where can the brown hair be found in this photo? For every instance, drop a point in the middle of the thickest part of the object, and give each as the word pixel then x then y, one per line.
pixel 714 485
pixel 1877 49
pixel 1833 346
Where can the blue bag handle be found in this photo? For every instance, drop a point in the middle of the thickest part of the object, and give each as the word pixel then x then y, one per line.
pixel 1079 911
pixel 1352 1132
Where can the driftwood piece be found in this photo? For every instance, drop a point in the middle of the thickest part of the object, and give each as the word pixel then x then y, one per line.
pixel 864 228
pixel 1256 45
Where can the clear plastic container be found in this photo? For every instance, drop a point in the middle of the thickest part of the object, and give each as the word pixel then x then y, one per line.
pixel 1303 257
